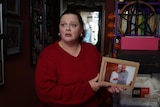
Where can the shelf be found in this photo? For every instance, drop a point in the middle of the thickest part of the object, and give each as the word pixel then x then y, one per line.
pixel 138 19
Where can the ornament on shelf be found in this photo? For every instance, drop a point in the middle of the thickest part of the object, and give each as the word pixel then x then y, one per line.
pixel 111 25
pixel 117 46
pixel 111 16
pixel 110 35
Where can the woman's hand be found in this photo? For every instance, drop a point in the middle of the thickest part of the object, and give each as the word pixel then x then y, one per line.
pixel 115 89
pixel 112 89
pixel 115 78
pixel 94 84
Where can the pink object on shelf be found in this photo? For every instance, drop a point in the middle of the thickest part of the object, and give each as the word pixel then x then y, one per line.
pixel 139 43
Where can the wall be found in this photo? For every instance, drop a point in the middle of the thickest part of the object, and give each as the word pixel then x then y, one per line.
pixel 18 90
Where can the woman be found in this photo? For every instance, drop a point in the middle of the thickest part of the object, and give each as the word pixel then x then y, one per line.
pixel 114 75
pixel 67 70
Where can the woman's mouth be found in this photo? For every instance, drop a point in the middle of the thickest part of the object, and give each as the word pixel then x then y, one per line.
pixel 68 34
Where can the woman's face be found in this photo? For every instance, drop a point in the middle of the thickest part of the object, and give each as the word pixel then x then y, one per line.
pixel 70 28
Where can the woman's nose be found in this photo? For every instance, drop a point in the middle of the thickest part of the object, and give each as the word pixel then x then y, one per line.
pixel 68 27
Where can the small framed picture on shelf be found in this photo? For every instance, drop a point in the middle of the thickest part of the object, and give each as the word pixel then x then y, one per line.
pixel 13 36
pixel 118 72
pixel 12 7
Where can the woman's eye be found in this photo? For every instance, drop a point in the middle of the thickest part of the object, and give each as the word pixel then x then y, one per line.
pixel 73 25
pixel 63 24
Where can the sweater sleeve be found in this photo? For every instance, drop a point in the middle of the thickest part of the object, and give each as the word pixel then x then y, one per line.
pixel 51 93
pixel 105 98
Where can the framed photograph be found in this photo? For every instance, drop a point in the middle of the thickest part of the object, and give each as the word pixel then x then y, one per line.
pixel 118 72
pixel 12 7
pixel 1 21
pixel 13 36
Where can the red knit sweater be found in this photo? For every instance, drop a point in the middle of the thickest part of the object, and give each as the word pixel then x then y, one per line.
pixel 62 80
